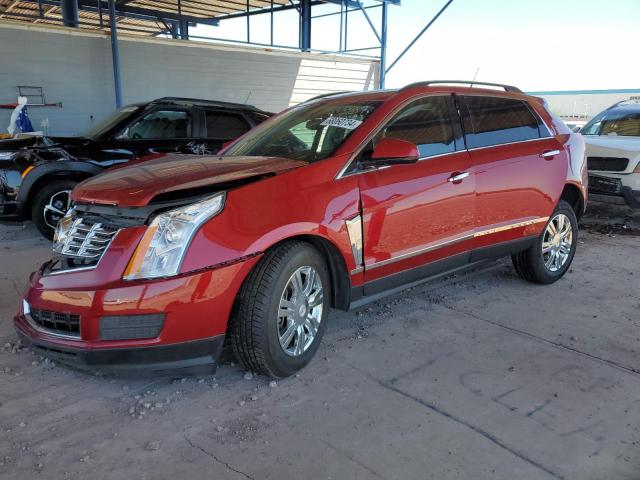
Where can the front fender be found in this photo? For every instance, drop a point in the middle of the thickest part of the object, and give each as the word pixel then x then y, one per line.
pixel 54 168
pixel 260 215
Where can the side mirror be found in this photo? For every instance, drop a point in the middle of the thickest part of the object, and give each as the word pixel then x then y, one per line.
pixel 576 129
pixel 393 151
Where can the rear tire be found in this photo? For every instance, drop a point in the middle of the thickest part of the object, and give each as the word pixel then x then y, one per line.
pixel 550 257
pixel 50 204
pixel 279 316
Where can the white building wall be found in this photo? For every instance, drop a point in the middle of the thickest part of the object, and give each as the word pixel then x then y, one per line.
pixel 74 67
pixel 584 104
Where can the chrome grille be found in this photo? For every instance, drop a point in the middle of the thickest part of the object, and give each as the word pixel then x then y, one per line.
pixel 82 238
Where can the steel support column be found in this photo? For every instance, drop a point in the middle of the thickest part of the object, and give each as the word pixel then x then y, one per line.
pixel 115 53
pixel 305 25
pixel 70 13
pixel 383 46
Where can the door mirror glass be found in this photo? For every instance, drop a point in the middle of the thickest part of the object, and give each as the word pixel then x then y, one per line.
pixel 393 151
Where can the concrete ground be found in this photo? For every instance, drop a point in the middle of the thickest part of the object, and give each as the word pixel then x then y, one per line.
pixel 477 376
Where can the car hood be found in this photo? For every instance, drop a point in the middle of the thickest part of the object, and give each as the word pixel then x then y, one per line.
pixel 137 185
pixel 630 145
pixel 15 144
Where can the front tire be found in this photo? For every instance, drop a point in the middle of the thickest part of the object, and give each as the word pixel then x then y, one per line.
pixel 50 204
pixel 280 314
pixel 550 257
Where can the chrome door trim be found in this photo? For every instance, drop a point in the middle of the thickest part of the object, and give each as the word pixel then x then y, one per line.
pixel 510 226
pixel 509 143
pixel 456 239
pixel 423 249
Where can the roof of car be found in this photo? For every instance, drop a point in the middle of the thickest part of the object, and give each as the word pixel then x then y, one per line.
pixel 199 101
pixel 625 106
pixel 456 86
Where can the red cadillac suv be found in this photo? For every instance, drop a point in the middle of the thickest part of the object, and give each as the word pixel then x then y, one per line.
pixel 333 203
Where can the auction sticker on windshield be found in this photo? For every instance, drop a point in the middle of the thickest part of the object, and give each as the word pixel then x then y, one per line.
pixel 341 122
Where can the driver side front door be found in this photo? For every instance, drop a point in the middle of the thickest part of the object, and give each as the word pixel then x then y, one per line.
pixel 419 218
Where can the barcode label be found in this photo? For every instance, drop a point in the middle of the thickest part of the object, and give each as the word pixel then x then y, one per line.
pixel 341 122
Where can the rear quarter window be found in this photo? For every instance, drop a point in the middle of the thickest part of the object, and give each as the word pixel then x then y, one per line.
pixel 494 121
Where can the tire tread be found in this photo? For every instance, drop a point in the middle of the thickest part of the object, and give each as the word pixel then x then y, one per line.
pixel 247 329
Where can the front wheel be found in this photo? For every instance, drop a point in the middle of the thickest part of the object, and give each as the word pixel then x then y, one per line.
pixel 50 204
pixel 550 257
pixel 280 314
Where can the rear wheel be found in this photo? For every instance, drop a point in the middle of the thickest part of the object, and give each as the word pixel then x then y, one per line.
pixel 50 204
pixel 550 257
pixel 280 314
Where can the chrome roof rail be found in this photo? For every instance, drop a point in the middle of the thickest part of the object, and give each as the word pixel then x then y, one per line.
pixel 470 83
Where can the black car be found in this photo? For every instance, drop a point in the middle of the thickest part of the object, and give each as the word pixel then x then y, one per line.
pixel 38 173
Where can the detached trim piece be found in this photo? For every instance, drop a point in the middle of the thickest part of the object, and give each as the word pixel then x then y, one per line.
pixel 354 229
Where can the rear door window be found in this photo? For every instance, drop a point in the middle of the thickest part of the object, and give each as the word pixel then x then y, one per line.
pixel 425 123
pixel 494 121
pixel 223 125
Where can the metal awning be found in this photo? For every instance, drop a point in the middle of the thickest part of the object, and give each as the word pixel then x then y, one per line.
pixel 143 17
pixel 174 17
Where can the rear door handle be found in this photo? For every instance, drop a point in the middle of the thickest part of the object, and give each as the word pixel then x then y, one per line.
pixel 549 154
pixel 457 177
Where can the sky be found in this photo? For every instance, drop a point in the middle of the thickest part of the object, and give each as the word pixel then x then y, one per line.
pixel 533 44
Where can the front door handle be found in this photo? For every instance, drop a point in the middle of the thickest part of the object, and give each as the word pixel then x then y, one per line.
pixel 549 154
pixel 457 177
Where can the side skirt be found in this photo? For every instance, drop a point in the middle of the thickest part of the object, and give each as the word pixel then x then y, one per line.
pixel 383 287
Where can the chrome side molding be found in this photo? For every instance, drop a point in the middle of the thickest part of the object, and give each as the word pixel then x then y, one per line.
pixel 354 229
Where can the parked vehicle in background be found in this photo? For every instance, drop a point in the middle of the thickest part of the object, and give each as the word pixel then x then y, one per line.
pixel 333 203
pixel 575 125
pixel 37 174
pixel 613 154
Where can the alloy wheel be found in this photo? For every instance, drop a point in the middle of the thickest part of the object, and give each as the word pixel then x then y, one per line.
pixel 557 242
pixel 57 207
pixel 300 311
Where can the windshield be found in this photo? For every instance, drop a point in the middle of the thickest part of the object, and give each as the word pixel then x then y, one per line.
pixel 101 128
pixel 308 133
pixel 625 124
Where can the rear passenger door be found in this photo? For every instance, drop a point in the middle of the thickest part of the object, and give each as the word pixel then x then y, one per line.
pixel 517 164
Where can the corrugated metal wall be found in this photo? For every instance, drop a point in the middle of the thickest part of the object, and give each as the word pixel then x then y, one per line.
pixel 74 68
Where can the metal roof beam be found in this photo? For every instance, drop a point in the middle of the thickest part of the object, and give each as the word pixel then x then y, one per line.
pixel 262 11
pixel 130 11
pixel 142 13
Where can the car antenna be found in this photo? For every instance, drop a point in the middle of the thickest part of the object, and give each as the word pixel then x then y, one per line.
pixel 475 75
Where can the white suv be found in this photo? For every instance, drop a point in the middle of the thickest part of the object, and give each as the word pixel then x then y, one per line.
pixel 613 154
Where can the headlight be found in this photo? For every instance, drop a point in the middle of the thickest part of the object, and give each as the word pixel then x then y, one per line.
pixel 6 155
pixel 162 247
